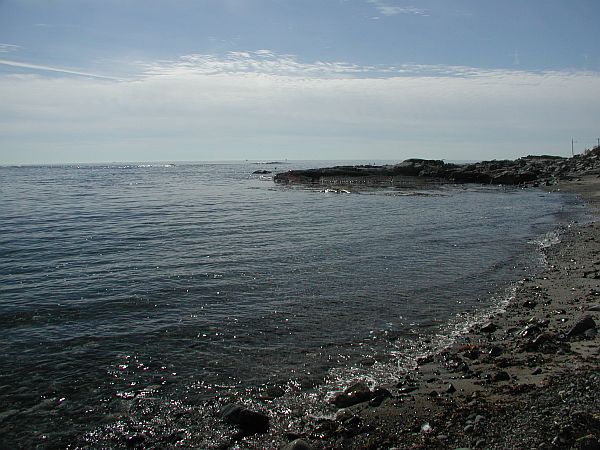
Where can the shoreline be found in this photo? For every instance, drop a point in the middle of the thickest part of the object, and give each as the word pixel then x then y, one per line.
pixel 525 379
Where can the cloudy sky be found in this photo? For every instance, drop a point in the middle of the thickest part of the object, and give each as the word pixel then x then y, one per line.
pixel 193 80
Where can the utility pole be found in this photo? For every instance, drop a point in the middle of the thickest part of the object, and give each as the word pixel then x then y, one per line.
pixel 572 147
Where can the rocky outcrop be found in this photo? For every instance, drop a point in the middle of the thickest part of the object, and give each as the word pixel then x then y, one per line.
pixel 529 170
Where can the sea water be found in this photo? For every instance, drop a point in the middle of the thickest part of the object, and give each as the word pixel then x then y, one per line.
pixel 207 281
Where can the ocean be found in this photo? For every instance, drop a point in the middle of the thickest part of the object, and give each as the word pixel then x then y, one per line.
pixel 187 285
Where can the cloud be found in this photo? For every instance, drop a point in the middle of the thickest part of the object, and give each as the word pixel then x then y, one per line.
pixel 260 61
pixel 43 68
pixel 392 10
pixel 264 105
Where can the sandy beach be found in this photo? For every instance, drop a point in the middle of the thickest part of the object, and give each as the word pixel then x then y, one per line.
pixel 527 378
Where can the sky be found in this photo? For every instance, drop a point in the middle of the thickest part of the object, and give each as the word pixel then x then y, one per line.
pixel 86 81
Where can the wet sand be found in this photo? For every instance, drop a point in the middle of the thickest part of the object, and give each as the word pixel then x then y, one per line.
pixel 528 378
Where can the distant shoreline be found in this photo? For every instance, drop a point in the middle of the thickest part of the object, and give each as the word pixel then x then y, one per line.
pixel 527 171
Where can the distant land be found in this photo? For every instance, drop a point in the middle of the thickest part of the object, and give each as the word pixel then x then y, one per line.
pixel 527 171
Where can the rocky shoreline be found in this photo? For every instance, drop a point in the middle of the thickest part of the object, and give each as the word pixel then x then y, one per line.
pixel 527 378
pixel 527 171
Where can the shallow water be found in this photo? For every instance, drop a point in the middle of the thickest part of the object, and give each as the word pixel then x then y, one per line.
pixel 205 278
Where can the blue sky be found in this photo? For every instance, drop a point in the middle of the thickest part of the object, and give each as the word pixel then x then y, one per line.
pixel 150 80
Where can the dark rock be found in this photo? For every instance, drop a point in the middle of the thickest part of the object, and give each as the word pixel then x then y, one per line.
pixel 581 326
pixel 495 351
pixel 250 422
pixel 378 396
pixel 489 327
pixel 530 170
pixel 529 304
pixel 450 389
pixel 298 444
pixel 357 393
pixel 261 172
pixel 472 353
pixel 536 371
pixel 501 376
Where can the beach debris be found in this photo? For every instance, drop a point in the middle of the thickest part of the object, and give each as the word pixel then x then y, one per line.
pixel 249 422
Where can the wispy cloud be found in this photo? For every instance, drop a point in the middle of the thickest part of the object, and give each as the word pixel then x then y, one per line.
pixel 387 9
pixel 43 68
pixel 267 62
pixel 7 48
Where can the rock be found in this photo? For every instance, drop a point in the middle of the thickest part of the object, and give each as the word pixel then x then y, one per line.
pixel 581 326
pixel 297 444
pixel 469 428
pixel 489 327
pixel 501 376
pixel 495 351
pixel 378 396
pixel 589 442
pixel 591 333
pixel 529 304
pixel 536 371
pixel 450 389
pixel 250 422
pixel 357 393
pixel 261 172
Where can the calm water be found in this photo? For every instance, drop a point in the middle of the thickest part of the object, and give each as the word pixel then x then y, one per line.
pixel 203 279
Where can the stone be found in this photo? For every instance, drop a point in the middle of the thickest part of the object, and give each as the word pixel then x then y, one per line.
pixel 536 371
pixel 450 389
pixel 297 444
pixel 378 396
pixel 250 422
pixel 357 393
pixel 501 376
pixel 583 324
pixel 489 327
pixel 495 351
pixel 529 304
